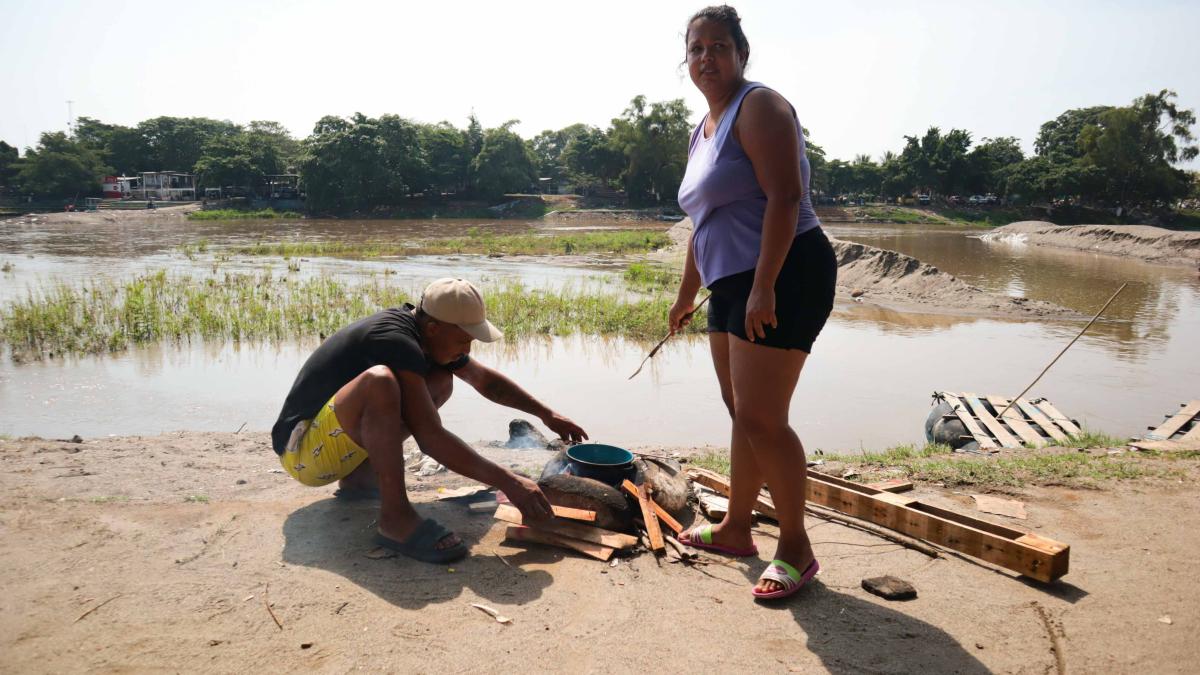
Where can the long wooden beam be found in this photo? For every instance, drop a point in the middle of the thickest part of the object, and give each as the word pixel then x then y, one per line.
pixel 1026 553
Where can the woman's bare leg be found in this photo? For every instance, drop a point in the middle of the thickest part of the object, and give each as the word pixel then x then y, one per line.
pixel 764 379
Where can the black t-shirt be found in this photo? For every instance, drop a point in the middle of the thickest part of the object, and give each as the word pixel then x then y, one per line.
pixel 390 338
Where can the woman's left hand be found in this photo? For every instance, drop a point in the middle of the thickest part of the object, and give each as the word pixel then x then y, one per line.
pixel 760 312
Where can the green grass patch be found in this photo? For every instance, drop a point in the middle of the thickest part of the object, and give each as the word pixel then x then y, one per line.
pixel 894 214
pixel 475 242
pixel 196 499
pixel 893 455
pixel 935 463
pixel 651 277
pixel 1088 438
pixel 713 461
pixel 110 499
pixel 243 214
pixel 110 316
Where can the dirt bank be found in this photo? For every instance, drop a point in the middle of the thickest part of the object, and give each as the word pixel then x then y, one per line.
pixel 1152 244
pixel 159 553
pixel 122 216
pixel 620 215
pixel 902 282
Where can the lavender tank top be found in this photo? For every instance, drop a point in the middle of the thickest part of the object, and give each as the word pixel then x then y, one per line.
pixel 721 195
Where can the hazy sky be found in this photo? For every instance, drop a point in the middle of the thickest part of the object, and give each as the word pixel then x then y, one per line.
pixel 861 74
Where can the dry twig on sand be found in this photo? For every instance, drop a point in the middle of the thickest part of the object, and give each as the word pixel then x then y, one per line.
pixel 80 617
pixel 267 602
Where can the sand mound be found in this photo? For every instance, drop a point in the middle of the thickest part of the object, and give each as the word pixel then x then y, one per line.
pixel 1152 244
pixel 895 279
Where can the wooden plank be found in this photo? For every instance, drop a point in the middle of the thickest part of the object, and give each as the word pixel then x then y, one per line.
pixel 1030 555
pixel 1042 421
pixel 1167 429
pixel 1059 418
pixel 1006 439
pixel 560 511
pixel 1017 422
pixel 663 514
pixel 716 481
pixel 1037 558
pixel 653 531
pixel 985 441
pixel 530 535
pixel 1182 445
pixel 567 528
pixel 892 485
pixel 574 514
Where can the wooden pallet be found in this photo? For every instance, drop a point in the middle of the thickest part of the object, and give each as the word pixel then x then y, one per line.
pixel 1026 553
pixel 1027 424
pixel 1180 432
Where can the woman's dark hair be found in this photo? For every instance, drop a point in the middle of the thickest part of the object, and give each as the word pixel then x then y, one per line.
pixel 727 17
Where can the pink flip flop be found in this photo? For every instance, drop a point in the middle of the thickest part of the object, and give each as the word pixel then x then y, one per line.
pixel 788 577
pixel 705 542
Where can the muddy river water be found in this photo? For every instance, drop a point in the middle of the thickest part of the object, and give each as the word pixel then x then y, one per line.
pixel 867 384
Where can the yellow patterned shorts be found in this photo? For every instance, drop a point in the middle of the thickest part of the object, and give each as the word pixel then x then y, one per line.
pixel 319 452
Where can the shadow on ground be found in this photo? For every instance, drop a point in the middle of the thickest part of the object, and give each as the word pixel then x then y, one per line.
pixel 852 635
pixel 336 536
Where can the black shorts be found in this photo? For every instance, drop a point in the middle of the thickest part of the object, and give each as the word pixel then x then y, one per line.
pixel 803 296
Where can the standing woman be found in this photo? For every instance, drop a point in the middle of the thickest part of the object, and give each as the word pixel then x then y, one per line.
pixel 758 246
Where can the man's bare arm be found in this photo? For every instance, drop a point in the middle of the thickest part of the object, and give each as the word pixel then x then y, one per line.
pixel 498 388
pixel 422 419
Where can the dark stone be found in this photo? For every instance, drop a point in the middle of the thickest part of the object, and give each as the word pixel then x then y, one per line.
pixel 943 426
pixel 890 588
pixel 77 438
pixel 241 481
pixel 522 435
pixel 671 489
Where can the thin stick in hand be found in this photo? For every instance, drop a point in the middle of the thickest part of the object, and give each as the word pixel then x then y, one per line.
pixel 663 341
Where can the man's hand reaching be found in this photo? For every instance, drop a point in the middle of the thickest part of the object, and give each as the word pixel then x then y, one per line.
pixel 529 499
pixel 565 428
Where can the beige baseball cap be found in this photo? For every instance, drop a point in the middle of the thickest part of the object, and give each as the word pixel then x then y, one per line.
pixel 459 302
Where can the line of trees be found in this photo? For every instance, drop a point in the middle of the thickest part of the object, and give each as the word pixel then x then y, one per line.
pixel 1106 155
pixel 361 163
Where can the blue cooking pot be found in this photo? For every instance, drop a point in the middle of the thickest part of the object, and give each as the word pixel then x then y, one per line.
pixel 605 463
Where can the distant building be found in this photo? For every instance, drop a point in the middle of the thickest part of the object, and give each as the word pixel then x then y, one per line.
pixel 173 186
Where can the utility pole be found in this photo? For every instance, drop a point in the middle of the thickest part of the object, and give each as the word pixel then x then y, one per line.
pixel 70 116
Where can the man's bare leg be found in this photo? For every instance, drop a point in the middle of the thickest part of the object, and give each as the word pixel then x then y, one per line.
pixel 364 478
pixel 368 408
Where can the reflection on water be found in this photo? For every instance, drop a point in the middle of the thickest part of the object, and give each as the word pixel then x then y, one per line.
pixel 1153 309
pixel 866 385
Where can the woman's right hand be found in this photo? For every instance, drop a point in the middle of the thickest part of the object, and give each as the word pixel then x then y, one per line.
pixel 680 314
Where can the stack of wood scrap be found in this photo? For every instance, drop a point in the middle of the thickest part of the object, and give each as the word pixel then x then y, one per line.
pixel 575 529
pixel 915 524
pixel 570 529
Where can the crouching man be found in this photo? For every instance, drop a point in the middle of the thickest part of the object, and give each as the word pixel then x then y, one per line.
pixel 377 381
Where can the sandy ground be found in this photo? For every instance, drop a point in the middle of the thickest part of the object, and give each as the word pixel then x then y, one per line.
pixel 108 566
pixel 1152 244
